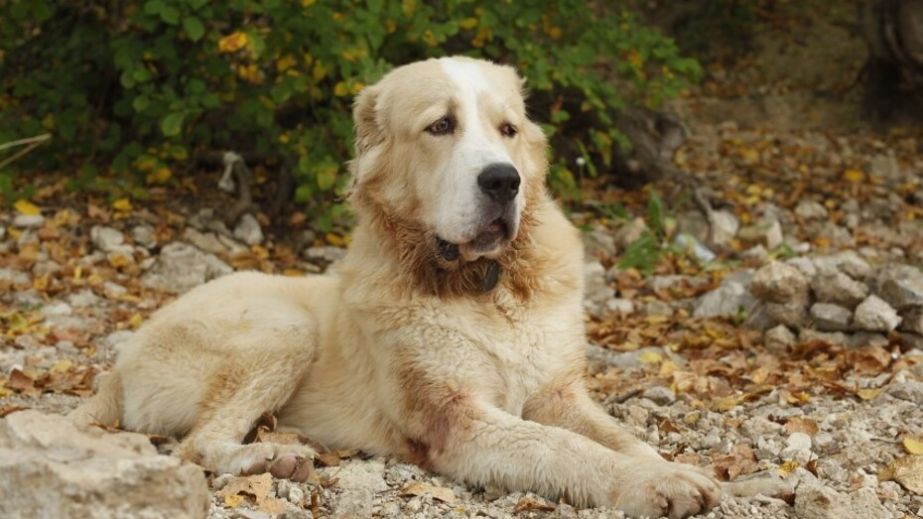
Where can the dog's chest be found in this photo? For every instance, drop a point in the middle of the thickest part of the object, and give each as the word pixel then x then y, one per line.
pixel 531 352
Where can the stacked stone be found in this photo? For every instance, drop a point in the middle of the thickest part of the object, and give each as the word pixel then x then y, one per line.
pixel 838 299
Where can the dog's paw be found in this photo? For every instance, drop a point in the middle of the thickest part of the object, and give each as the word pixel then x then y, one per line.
pixel 665 489
pixel 288 461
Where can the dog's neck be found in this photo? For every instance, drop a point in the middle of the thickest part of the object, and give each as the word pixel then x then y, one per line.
pixel 418 265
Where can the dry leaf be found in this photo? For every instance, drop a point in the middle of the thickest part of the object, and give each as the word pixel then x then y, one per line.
pixel 799 424
pixel 868 393
pixel 258 487
pixel 532 504
pixel 787 468
pixel 913 445
pixel 421 488
pixel 908 471
pixel 740 461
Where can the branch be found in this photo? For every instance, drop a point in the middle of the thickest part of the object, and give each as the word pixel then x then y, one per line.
pixel 30 143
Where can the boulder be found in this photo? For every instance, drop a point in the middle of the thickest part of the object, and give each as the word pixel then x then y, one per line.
pixel 52 469
pixel 875 315
pixel 839 289
pixel 830 317
pixel 778 282
pixel 248 230
pixel 181 267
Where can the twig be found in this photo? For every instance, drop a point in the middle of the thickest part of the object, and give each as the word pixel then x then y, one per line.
pixel 30 143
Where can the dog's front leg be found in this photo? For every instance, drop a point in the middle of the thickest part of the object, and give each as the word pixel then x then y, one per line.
pixel 568 405
pixel 481 444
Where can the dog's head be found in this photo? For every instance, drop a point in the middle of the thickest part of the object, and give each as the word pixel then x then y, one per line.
pixel 445 147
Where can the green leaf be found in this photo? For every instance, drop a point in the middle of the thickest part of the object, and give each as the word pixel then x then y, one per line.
pixel 194 28
pixel 169 14
pixel 153 7
pixel 140 103
pixel 172 124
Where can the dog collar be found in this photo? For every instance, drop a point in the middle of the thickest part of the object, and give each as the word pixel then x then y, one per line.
pixel 492 277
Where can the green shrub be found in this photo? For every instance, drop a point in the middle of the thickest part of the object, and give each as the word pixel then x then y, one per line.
pixel 141 88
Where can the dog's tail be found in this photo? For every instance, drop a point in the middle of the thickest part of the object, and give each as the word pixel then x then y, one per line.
pixel 103 408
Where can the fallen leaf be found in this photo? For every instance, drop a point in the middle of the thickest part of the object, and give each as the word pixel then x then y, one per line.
pixel 787 468
pixel 908 471
pixel 10 409
pixel 650 357
pixel 421 488
pixel 913 445
pixel 532 504
pixel 868 393
pixel 122 205
pixel 800 424
pixel 27 208
pixel 740 461
pixel 257 487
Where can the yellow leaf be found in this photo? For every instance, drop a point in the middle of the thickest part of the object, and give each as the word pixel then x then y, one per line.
pixel 854 175
pixel 868 393
pixel 62 366
pixel 787 468
pixel 340 89
pixel 233 500
pixel 335 239
pixel 285 62
pixel 122 204
pixel 651 357
pixel 26 207
pixel 913 445
pixel 159 176
pixel 135 320
pixel 468 23
pixel 233 42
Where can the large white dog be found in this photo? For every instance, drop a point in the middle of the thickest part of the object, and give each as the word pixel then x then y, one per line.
pixel 451 336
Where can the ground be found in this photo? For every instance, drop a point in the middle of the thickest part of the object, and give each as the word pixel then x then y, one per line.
pixel 684 346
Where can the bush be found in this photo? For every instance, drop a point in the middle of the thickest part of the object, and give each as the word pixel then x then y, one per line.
pixel 144 87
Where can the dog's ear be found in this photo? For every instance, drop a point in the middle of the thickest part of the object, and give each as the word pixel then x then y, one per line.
pixel 365 114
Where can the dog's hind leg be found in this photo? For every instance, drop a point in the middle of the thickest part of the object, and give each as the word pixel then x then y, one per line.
pixel 239 392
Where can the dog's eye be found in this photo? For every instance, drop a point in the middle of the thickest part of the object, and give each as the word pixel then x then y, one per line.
pixel 508 130
pixel 443 126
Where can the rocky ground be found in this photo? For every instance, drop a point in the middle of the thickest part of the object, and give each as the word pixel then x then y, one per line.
pixel 768 323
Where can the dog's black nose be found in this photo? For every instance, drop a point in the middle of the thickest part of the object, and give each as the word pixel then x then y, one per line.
pixel 500 182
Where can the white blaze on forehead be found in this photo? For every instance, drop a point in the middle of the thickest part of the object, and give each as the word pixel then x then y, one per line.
pixel 459 212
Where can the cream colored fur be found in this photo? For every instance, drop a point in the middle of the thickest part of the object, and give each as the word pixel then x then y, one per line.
pixel 400 353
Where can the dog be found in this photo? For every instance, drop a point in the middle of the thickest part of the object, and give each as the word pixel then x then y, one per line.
pixel 450 336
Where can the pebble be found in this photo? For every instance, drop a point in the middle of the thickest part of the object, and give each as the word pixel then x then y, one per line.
pixel 778 282
pixel 779 339
pixel 810 210
pixel 28 221
pixel 248 230
pixel 107 239
pixel 143 235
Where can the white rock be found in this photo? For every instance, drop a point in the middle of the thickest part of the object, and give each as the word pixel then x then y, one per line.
pixel 903 293
pixel 766 232
pixel 84 298
pixel 630 232
pixel 778 282
pixel 248 230
pixel 106 239
pixel 779 339
pixel 875 315
pixel 206 241
pixel 660 395
pixel 730 299
pixel 597 243
pixel 688 243
pixel 51 469
pixel 28 221
pixel 792 312
pixel 810 210
pixel 181 267
pixel 143 235
pixel 620 306
pixel 327 253
pixel 912 320
pixel 597 291
pixel 724 227
pixel 838 288
pixel 830 317
pixel 358 482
